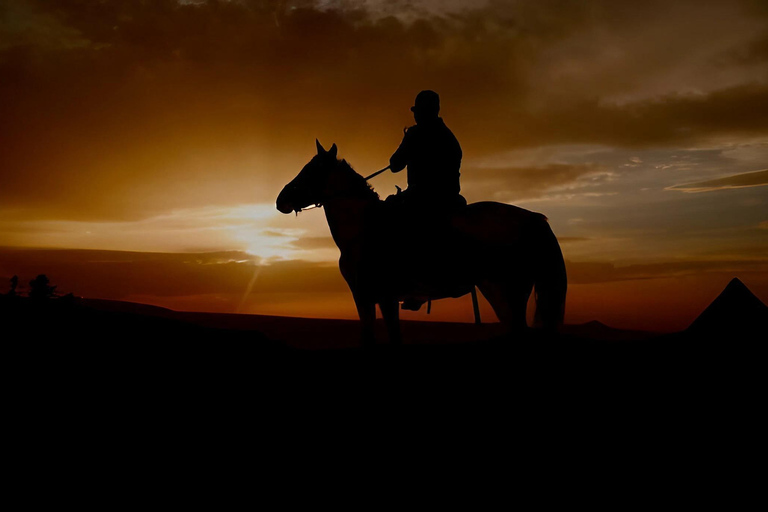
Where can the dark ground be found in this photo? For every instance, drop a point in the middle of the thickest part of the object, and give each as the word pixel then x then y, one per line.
pixel 96 382
pixel 118 347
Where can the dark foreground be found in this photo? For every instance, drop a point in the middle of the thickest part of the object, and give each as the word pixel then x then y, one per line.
pixel 53 345
pixel 123 385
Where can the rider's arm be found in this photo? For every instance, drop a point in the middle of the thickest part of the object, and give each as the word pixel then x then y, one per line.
pixel 399 159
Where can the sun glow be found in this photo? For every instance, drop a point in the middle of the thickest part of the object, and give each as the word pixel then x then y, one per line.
pixel 270 235
pixel 266 245
pixel 249 288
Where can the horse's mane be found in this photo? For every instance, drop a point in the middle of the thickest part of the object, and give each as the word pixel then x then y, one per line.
pixel 357 181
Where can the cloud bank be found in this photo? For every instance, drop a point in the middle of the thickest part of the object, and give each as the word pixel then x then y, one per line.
pixel 122 110
pixel 745 180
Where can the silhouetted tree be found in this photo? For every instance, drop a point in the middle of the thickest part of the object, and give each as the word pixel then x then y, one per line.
pixel 40 288
pixel 14 284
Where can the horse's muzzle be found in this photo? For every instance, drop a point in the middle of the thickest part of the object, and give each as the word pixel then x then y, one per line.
pixel 284 205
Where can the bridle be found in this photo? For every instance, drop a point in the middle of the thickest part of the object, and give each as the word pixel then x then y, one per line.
pixel 320 205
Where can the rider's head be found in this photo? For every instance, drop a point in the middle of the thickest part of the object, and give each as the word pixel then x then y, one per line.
pixel 426 106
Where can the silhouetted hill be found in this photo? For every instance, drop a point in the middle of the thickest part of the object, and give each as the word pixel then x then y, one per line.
pixel 319 333
pixel 121 306
pixel 599 331
pixel 736 311
pixel 129 335
pixel 74 320
pixel 310 333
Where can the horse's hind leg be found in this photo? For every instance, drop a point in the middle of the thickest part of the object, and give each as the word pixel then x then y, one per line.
pixel 390 310
pixel 366 310
pixel 509 301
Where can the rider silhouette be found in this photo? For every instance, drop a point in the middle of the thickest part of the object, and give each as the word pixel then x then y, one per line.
pixel 433 157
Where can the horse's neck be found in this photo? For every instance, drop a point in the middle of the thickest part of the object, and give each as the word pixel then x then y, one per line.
pixel 346 218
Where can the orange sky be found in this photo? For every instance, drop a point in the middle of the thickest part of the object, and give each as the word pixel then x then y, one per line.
pixel 158 134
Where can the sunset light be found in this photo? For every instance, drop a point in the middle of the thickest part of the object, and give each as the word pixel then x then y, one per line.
pixel 150 140
pixel 452 232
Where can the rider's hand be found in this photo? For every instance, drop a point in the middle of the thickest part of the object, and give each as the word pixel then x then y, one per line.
pixel 394 167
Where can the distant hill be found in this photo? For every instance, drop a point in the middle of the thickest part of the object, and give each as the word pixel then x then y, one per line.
pixel 104 322
pixel 319 333
pixel 599 331
pixel 736 311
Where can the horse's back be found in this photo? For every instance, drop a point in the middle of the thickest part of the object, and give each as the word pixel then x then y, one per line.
pixel 494 223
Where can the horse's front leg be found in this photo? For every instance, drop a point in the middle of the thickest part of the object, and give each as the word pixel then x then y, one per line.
pixel 390 310
pixel 366 310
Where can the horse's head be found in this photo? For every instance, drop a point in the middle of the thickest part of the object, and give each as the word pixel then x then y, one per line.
pixel 310 187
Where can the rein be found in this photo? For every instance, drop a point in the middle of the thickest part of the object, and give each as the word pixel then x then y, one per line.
pixel 376 173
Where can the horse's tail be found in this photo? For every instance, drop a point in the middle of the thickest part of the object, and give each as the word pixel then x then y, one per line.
pixel 550 281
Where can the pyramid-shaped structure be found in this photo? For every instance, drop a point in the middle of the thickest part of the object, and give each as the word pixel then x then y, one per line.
pixel 735 310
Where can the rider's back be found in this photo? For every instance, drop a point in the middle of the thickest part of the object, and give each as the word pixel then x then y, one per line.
pixel 433 157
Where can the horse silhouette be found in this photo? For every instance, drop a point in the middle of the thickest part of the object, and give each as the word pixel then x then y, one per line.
pixel 503 250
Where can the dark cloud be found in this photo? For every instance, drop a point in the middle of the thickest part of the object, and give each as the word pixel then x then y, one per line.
pixel 116 274
pixel 602 272
pixel 120 110
pixel 755 52
pixel 665 121
pixel 515 183
pixel 749 179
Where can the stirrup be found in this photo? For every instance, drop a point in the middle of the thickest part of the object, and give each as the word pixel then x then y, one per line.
pixel 412 304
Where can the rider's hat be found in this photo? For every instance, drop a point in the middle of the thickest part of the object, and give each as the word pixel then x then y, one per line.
pixel 427 101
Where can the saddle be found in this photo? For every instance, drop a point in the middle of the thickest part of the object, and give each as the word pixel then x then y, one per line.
pixel 429 254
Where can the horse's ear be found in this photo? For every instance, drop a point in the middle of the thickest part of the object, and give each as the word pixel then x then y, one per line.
pixel 320 149
pixel 332 152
